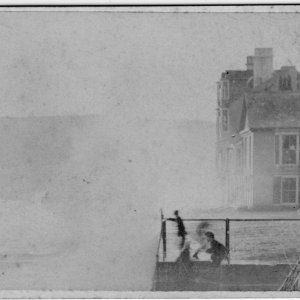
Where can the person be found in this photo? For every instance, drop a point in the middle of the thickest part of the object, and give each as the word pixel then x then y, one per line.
pixel 183 267
pixel 180 227
pixel 202 240
pixel 217 250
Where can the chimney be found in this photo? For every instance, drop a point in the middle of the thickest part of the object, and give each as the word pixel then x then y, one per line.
pixel 262 65
pixel 249 63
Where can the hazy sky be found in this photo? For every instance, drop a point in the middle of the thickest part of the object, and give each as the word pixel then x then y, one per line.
pixel 129 65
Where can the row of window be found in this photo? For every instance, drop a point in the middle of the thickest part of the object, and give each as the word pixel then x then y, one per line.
pixel 287 150
pixel 286 190
pixel 287 146
pixel 285 84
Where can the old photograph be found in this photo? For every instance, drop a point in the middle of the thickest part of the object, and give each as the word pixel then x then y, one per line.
pixel 150 149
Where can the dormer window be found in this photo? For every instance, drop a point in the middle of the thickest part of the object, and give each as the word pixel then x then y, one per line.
pixel 285 83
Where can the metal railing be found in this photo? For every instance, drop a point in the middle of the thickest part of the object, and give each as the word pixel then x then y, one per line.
pixel 291 283
pixel 233 233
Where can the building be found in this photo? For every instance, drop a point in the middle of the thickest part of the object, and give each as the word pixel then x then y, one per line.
pixel 258 134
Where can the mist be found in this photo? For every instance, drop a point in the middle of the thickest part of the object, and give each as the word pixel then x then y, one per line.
pixel 81 196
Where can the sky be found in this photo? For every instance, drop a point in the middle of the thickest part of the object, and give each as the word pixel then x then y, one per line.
pixel 131 65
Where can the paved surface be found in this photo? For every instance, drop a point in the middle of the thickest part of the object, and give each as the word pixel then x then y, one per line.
pixel 201 276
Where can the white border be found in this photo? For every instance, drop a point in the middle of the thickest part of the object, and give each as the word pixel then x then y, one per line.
pixel 67 6
pixel 14 294
pixel 208 6
pixel 145 2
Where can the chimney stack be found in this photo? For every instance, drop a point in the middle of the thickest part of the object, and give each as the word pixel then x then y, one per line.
pixel 262 65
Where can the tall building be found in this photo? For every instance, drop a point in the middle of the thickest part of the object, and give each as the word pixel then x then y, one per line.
pixel 258 134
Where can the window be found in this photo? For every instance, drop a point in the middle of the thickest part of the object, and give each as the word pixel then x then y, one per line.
pixel 286 190
pixel 277 149
pixel 298 189
pixel 245 153
pixel 250 152
pixel 225 90
pixel 247 145
pixel 289 190
pixel 225 120
pixel 289 143
pixel 218 123
pixel 219 93
pixel 285 83
pixel 238 159
pixel 287 149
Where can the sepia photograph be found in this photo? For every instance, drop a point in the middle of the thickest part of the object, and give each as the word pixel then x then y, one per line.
pixel 150 149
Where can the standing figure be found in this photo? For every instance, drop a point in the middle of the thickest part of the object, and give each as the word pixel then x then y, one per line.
pixel 217 250
pixel 180 227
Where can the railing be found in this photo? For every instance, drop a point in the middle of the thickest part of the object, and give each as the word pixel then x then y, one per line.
pixel 291 283
pixel 162 237
pixel 247 240
pixel 165 233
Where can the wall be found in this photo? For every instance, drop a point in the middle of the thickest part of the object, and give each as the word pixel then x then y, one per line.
pixel 263 167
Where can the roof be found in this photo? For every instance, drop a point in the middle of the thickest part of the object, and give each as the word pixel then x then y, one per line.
pixel 237 74
pixel 266 110
pixel 267 106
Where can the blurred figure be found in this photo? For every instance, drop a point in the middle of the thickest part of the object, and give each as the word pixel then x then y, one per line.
pixel 217 250
pixel 201 238
pixel 184 268
pixel 201 228
pixel 180 227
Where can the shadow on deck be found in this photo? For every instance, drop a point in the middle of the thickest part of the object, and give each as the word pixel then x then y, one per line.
pixel 202 276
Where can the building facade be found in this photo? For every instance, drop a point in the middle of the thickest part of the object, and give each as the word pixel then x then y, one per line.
pixel 258 134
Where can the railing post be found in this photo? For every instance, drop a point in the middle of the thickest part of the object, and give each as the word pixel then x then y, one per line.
pixel 227 238
pixel 164 236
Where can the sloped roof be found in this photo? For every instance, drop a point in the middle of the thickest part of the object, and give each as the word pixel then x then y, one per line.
pixel 268 109
pixel 265 110
pixel 237 74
